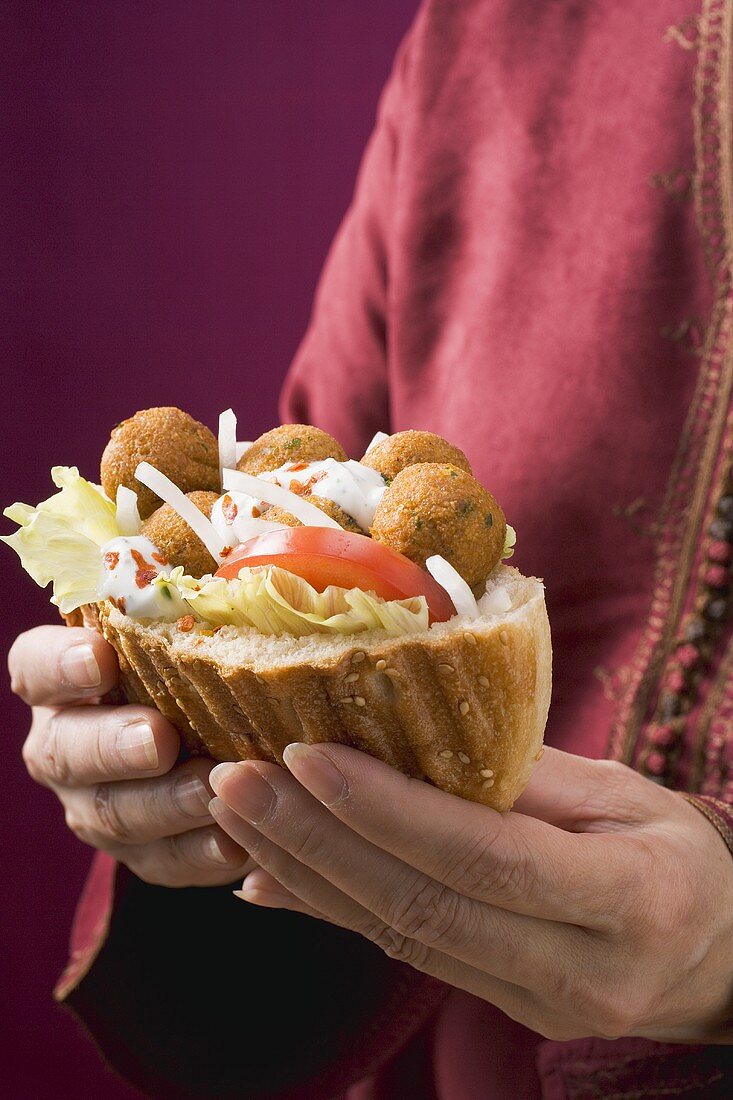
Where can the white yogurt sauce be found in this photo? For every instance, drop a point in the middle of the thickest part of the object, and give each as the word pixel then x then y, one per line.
pixel 355 488
pixel 129 566
pixel 236 518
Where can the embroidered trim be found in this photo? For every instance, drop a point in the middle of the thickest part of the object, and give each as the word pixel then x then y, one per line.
pixel 683 511
pixel 715 818
pixel 689 333
pixel 677 183
pixel 712 761
pixel 685 34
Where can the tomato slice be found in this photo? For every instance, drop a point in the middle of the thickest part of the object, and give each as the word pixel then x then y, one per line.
pixel 323 556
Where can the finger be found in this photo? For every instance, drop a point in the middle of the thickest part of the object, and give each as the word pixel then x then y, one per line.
pixel 578 794
pixel 140 810
pixel 204 857
pixel 507 860
pixel 260 888
pixel 509 946
pixel 54 665
pixel 319 895
pixel 80 746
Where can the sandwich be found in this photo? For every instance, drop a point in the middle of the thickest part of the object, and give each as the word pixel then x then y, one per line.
pixel 274 591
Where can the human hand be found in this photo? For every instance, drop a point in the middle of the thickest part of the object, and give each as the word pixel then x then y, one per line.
pixel 114 768
pixel 603 905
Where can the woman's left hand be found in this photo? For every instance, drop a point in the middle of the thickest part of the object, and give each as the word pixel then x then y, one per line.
pixel 602 905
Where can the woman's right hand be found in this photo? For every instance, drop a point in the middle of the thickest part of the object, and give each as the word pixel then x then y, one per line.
pixel 114 767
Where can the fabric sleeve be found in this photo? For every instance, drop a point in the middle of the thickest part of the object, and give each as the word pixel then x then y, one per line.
pixel 339 377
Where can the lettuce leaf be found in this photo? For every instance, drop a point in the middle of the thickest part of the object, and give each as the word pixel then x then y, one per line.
pixel 510 541
pixel 274 601
pixel 59 540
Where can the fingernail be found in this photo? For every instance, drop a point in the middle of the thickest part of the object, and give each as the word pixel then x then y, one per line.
pixel 254 799
pixel 191 796
pixel 79 667
pixel 316 773
pixel 136 745
pixel 218 774
pixel 213 849
pixel 253 892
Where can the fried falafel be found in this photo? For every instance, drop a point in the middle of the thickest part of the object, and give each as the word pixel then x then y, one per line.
pixel 280 515
pixel 289 443
pixel 178 543
pixel 409 448
pixel 169 439
pixel 437 508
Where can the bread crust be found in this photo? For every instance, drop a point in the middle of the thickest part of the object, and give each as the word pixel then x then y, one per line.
pixel 463 705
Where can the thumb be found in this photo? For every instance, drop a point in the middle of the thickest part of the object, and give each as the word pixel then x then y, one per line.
pixel 581 795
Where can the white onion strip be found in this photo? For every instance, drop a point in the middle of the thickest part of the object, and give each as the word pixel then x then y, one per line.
pixel 127 515
pixel 448 578
pixel 227 441
pixel 242 448
pixel 275 494
pixel 185 508
pixel 378 438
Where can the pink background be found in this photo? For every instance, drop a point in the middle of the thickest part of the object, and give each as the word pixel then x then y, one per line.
pixel 172 175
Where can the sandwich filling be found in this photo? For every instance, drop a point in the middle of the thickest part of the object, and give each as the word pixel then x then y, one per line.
pixel 291 541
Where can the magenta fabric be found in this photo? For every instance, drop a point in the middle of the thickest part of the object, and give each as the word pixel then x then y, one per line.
pixel 171 176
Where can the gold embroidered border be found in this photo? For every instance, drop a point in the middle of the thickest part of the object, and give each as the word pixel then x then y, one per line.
pixel 688 489
pixel 715 819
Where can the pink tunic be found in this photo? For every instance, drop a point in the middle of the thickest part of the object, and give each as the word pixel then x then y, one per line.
pixel 536 266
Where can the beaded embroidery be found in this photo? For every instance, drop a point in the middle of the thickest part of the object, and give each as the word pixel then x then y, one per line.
pixel 689 615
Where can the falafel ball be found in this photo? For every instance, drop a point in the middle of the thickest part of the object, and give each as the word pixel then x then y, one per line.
pixel 177 542
pixel 404 449
pixel 289 443
pixel 436 508
pixel 169 439
pixel 280 515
